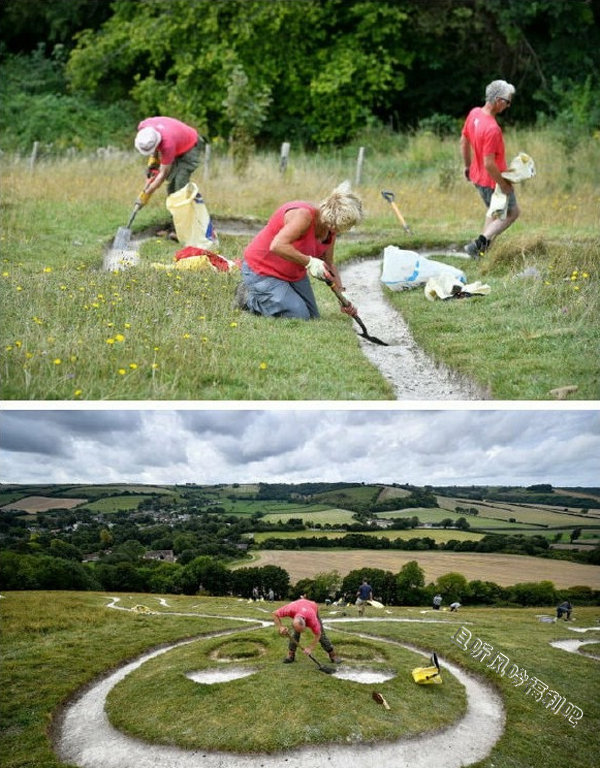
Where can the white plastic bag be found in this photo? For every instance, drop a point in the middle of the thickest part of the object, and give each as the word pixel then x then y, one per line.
pixel 407 269
pixel 192 221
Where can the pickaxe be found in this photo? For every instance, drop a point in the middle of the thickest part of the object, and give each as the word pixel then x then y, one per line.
pixel 389 196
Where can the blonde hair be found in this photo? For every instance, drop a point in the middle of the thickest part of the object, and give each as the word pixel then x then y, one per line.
pixel 342 210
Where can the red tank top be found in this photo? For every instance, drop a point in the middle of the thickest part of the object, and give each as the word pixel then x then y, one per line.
pixel 263 261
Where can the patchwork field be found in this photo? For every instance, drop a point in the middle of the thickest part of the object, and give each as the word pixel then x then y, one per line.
pixel 501 569
pixel 33 504
pixel 538 515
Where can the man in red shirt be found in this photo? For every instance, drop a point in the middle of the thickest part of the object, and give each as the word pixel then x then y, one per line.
pixel 483 154
pixel 303 613
pixel 177 147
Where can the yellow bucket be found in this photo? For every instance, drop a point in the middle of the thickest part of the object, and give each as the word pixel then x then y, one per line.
pixel 428 675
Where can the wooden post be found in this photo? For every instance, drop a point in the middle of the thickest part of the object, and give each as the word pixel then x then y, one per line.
pixel 33 157
pixel 206 161
pixel 359 166
pixel 285 153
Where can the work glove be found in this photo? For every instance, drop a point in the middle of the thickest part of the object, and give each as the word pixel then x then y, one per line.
pixel 317 268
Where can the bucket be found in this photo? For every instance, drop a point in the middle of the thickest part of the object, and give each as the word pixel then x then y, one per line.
pixel 428 675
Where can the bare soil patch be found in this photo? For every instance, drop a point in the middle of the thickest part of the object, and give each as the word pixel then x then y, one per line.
pixel 501 569
pixel 43 503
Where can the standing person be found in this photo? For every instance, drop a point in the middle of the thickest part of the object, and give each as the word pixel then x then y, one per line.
pixel 298 241
pixel 484 158
pixel 364 594
pixel 176 147
pixel 303 613
pixel 437 601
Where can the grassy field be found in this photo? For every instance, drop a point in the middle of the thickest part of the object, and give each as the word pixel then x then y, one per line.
pixel 528 514
pixel 55 643
pixel 499 568
pixel 436 516
pixel 327 515
pixel 74 332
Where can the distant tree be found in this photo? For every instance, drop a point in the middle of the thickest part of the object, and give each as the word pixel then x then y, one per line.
pixel 409 584
pixel 452 585
pixel 533 593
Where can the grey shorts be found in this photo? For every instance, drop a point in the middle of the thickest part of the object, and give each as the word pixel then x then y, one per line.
pixel 486 195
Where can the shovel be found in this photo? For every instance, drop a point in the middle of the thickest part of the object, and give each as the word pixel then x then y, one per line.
pixel 390 197
pixel 123 236
pixel 345 303
pixel 322 667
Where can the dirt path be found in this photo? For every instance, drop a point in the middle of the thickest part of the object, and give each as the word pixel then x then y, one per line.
pixel 86 738
pixel 412 373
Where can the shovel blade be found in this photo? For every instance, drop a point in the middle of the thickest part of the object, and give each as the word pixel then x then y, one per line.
pixel 122 239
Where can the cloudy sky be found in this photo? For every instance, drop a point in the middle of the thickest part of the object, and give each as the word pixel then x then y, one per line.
pixel 516 447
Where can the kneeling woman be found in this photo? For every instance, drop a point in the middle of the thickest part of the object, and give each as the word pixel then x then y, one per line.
pixel 298 240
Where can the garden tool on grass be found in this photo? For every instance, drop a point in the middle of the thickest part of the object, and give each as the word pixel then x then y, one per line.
pixel 123 236
pixel 345 303
pixel 390 197
pixel 380 699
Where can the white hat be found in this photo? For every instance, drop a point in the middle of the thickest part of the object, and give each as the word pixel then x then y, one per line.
pixel 147 140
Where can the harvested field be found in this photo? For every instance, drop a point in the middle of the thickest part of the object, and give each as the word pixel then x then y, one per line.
pixel 501 569
pixel 33 504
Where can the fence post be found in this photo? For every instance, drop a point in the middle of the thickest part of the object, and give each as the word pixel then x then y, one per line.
pixel 206 161
pixel 359 166
pixel 285 153
pixel 33 157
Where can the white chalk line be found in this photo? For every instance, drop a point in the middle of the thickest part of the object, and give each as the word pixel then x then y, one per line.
pixel 86 738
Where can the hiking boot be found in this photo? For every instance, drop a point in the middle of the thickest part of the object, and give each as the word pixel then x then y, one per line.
pixel 476 248
pixel 289 660
pixel 241 296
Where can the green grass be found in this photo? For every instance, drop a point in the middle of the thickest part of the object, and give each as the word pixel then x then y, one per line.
pixel 74 332
pixel 426 515
pixel 114 503
pixel 141 704
pixel 55 642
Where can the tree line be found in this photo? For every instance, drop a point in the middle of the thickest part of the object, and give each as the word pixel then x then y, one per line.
pixel 210 576
pixel 315 72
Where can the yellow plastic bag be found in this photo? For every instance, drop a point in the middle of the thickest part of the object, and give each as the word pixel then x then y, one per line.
pixel 428 675
pixel 191 218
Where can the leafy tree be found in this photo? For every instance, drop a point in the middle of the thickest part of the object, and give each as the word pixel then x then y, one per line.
pixel 453 586
pixel 409 584
pixel 205 574
pixel 323 586
pixel 59 548
pixel 246 109
pixel 533 593
pixel 483 592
